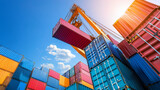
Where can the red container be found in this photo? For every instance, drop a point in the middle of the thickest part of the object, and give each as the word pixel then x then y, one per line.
pixel 79 66
pixel 70 34
pixel 113 40
pixel 138 12
pixel 72 80
pixel 36 85
pixel 81 76
pixel 127 49
pixel 54 74
pixel 149 47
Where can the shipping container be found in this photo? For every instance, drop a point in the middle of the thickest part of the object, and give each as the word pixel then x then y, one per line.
pixel 10 54
pixel 71 72
pixel 144 71
pixel 50 88
pixel 52 82
pixel 155 86
pixel 100 49
pixel 86 84
pixel 84 72
pixel 54 74
pixel 113 40
pixel 27 64
pixel 8 64
pixel 16 85
pixel 80 66
pixel 127 49
pixel 61 87
pixel 72 80
pixel 137 13
pixel 77 86
pixel 63 81
pixel 39 75
pixel 22 74
pixel 82 76
pixel 66 74
pixel 70 34
pixel 113 74
pixel 36 85
pixel 5 78
pixel 2 87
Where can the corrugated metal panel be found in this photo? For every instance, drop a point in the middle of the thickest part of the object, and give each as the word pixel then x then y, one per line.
pixel 113 40
pixel 10 54
pixel 70 34
pixel 22 74
pixel 72 80
pixel 8 64
pixel 61 87
pixel 40 75
pixel 54 74
pixel 127 49
pixel 86 84
pixel 36 85
pixel 5 77
pixel 155 86
pixel 82 76
pixel 27 64
pixel 134 16
pixel 80 66
pixel 71 72
pixel 16 85
pixel 53 82
pixel 143 70
pixel 50 88
pixel 66 74
pixel 63 81
pixel 77 86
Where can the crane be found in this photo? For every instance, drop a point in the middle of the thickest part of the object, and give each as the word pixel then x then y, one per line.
pixel 76 10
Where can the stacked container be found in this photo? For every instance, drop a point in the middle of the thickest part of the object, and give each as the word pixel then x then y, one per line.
pixel 9 62
pixel 108 66
pixel 140 27
pixel 77 86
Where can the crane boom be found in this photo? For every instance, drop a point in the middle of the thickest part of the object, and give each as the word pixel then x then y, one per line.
pixel 76 10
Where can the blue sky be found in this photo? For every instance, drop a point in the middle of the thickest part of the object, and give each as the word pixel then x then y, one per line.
pixel 26 27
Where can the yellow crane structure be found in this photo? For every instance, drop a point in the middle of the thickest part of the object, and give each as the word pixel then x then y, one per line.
pixel 76 10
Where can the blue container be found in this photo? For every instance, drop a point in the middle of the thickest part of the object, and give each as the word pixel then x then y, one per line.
pixel 100 49
pixel 61 87
pixel 27 64
pixel 50 88
pixel 10 54
pixel 66 74
pixel 77 86
pixel 53 82
pixel 16 85
pixel 71 72
pixel 22 74
pixel 143 70
pixel 113 74
pixel 40 75
pixel 155 86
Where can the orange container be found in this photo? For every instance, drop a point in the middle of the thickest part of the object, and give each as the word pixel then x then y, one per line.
pixel 137 13
pixel 2 87
pixel 5 77
pixel 63 81
pixel 8 64
pixel 86 84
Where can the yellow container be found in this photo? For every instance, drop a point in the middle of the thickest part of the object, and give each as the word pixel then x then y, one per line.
pixel 5 77
pixel 8 64
pixel 63 81
pixel 86 84
pixel 2 87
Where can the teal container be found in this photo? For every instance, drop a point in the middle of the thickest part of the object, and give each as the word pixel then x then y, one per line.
pixel 72 72
pixel 77 86
pixel 112 74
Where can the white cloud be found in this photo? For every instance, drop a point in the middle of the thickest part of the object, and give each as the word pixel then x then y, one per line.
pixel 47 65
pixel 63 67
pixel 46 58
pixel 60 54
